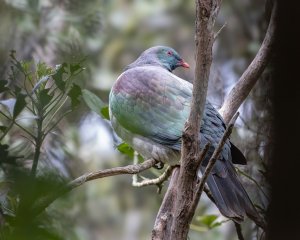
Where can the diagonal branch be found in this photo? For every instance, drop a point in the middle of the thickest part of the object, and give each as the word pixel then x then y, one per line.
pixel 43 203
pixel 212 161
pixel 248 79
pixel 216 154
pixel 163 221
pixel 182 190
pixel 206 13
pixel 130 169
pixel 238 229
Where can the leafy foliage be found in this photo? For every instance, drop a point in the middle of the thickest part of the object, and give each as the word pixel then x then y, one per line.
pixel 126 149
pixel 3 87
pixel 209 221
pixel 55 33
pixel 21 191
pixel 95 103
pixel 48 95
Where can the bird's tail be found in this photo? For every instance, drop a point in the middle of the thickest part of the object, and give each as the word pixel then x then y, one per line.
pixel 230 196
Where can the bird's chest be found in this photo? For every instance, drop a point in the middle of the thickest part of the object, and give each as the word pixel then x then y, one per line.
pixel 146 147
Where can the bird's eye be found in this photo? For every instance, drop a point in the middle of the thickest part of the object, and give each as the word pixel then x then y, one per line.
pixel 169 53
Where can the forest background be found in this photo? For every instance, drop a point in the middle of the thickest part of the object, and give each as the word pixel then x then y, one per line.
pixel 105 36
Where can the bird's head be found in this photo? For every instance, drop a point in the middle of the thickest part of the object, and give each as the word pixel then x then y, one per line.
pixel 163 56
pixel 168 57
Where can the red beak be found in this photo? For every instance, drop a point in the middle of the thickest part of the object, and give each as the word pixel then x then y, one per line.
pixel 184 64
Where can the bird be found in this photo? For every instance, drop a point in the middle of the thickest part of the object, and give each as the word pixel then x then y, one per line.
pixel 148 108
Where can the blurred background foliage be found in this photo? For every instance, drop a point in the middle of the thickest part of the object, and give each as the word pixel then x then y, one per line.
pixel 106 35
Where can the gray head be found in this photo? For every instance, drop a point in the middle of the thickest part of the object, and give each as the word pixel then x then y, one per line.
pixel 163 56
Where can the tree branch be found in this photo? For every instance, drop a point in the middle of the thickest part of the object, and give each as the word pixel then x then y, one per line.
pixel 165 216
pixel 164 219
pixel 219 31
pixel 238 229
pixel 255 182
pixel 209 194
pixel 180 198
pixel 43 203
pixel 206 13
pixel 156 181
pixel 248 79
pixel 213 160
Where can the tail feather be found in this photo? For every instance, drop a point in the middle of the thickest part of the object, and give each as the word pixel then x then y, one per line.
pixel 230 196
pixel 224 199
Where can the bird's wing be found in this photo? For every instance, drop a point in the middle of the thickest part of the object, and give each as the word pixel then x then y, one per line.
pixel 152 102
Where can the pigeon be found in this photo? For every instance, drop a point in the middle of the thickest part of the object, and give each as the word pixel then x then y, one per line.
pixel 148 107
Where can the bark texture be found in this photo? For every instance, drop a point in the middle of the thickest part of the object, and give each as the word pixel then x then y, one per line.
pixel 182 202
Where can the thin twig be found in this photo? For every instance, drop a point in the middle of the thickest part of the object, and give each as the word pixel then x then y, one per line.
pixel 17 124
pixel 55 124
pixel 220 30
pixel 129 169
pixel 250 76
pixel 197 193
pixel 209 194
pixel 135 161
pixel 56 111
pixel 202 155
pixel 6 130
pixel 215 156
pixel 255 182
pixel 238 229
pixel 156 181
pixel 43 203
pixel 38 144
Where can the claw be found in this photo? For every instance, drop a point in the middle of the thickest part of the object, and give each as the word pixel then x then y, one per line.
pixel 159 165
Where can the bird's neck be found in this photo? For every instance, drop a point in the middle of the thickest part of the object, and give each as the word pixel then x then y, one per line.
pixel 140 62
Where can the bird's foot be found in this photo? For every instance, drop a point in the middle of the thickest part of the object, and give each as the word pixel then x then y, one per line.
pixel 159 165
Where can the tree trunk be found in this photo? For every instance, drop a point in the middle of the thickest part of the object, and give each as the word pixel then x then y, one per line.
pixel 184 196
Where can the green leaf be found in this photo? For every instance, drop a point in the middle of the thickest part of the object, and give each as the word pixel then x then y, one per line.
pixel 58 76
pixel 140 158
pixel 43 70
pixel 9 104
pixel 17 90
pixel 126 149
pixel 4 155
pixel 42 82
pixel 93 102
pixel 20 105
pixel 105 113
pixel 74 94
pixel 74 67
pixel 26 67
pixel 44 97
pixel 19 66
pixel 3 88
pixel 3 128
pixel 3 151
pixel 207 220
pixel 216 224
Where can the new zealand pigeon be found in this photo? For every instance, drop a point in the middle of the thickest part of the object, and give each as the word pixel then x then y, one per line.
pixel 149 106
